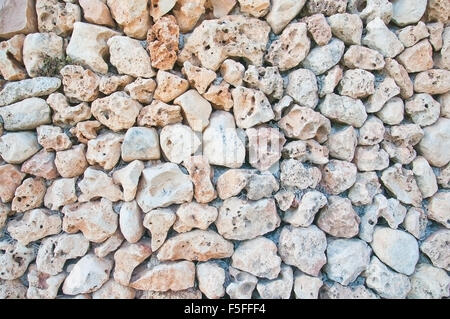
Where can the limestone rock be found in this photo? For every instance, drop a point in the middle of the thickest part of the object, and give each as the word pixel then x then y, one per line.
pixel 109 245
pixel 211 278
pixel 327 7
pixel 303 248
pixel 338 176
pixel 18 17
pixel 282 12
pixel 342 144
pixel 251 107
pixel 12 289
pixel 194 215
pixel 232 72
pixel 364 189
pixel 127 258
pixel 11 58
pixel 395 248
pixel 278 288
pixel 337 291
pixel 163 185
pixel 170 86
pixel 346 27
pixel 429 282
pixel 387 283
pixel 34 225
pixel 25 115
pixel 435 30
pixel 407 12
pixel 242 284
pixel 179 142
pixel 42 285
pixel 291 48
pixel 329 81
pixel 88 46
pixel 158 8
pixel 435 247
pixel 372 9
pixel 141 90
pixel 257 256
pixel 306 287
pixel 205 42
pixel 158 222
pixel 298 176
pixel 72 162
pixel 219 138
pixel 401 77
pixel 14 260
pixel 364 58
pixel 410 35
pixel 322 58
pixel 195 108
pixel 111 83
pixel 444 177
pixel 380 38
pixel 357 83
pixel 60 193
pixel 416 222
pixel 196 245
pixel 52 138
pixel 232 182
pixel 402 184
pixel 159 114
pixel 133 16
pixel 162 41
pixel 384 91
pixel 285 199
pixel 15 148
pixel 346 259
pixel 58 17
pixel 96 183
pixel 392 112
pixel 418 57
pixel 20 90
pixel 438 208
pixel 88 275
pixel 96 220
pixel 318 28
pixel 10 178
pixel 307 207
pixel 435 81
pixel 201 173
pixel 199 78
pixel 241 220
pixel 343 109
pixel 104 150
pixel 338 218
pixel 371 158
pixel 302 87
pixel 97 12
pixel 65 115
pixel 399 141
pixel 188 13
pixel 113 290
pixel 174 276
pixel 266 79
pixel 140 143
pixel 41 165
pixel 434 145
pixel 265 146
pixel 29 195
pixel 425 178
pixel 372 132
pixel 128 178
pixel 306 151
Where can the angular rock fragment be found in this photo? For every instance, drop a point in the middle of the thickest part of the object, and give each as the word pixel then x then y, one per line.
pixel 140 143
pixel 158 222
pixel 113 290
pixel 132 16
pixel 338 218
pixel 29 195
pixel 18 17
pixel 402 184
pixel 15 91
pixel 338 176
pixel 199 78
pixel 343 109
pixel 364 58
pixel 242 284
pixel 127 258
pixel 201 173
pixel 342 144
pixel 429 282
pixel 306 287
pixel 278 288
pixel 65 115
pixel 435 247
pixel 302 87
pixel 11 58
pixel 307 207
pixel 95 184
pixel 179 142
pixel 346 27
pixel 194 215
pixel 438 208
pixel 380 38
pixel 14 260
pixel 57 17
pixel 298 176
pixel 104 150
pixel 159 114
pixel 434 145
pixel 211 279
pixel 322 58
pixel 42 285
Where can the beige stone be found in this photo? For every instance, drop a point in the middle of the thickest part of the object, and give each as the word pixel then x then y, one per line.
pixel 179 142
pixel 392 112
pixel 361 57
pixel 18 17
pixel 342 143
pixel 11 58
pixel 435 30
pixel 343 109
pixel 364 189
pixel 338 218
pixel 282 12
pixel 429 282
pixel 306 287
pixel 266 79
pixel 195 108
pixel 242 284
pixel 96 220
pixel 384 91
pixel 111 83
pixel 425 178
pixel 163 185
pixel 303 248
pixel 399 141
pixel 113 290
pixel 434 145
pixel 199 78
pixel 104 150
pixel 416 222
pixel 251 107
pixel 140 143
pixel 58 17
pixel 162 41
pixel 435 81
pixel 322 58
pixel 187 13
pixel 306 151
pixel 304 210
pixel 158 222
pixel 85 131
pixel 65 115
pixel 88 46
pixel 338 176
pixel 220 96
pixel 338 291
pixel 438 208
pixel 61 192
pixel 435 247
pixel 327 7
pixel 258 257
pixel 12 289
pixel 372 132
pixel 96 12
pixel 41 165
pixel 296 175
pixel 42 285
pixel 410 35
pixel 201 173
pixel 30 194
pixel 15 148
pixel 346 27
pixel 141 90
pixel 211 279
pixel 357 84
pixel 241 220
pixel 278 288
pixel 380 38
pixel 14 260
pixel 401 183
pixel 444 177
pixel 159 114
pixel 158 8
pixel 71 163
pixel 302 87
pixel 110 245
pixel 127 258
pixel 265 145
pixel 371 158
pixel 128 178
pixel 194 215
pixel 132 16
pixel 95 184
pixel 418 57
pixel 25 115
pixel 52 138
pixel 400 76
pixel 232 72
pixel 232 182
pixel 291 48
pixel 170 86
pixel 318 28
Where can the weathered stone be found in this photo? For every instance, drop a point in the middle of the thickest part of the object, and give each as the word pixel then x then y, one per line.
pixel 195 108
pixel 41 165
pixel 429 282
pixel 20 90
pixel 303 214
pixel 232 182
pixel 303 123
pixel 328 82
pixel 291 48
pixel 34 225
pixel 97 12
pixel 52 138
pixel 196 245
pixel 162 41
pixel 172 276
pixel 251 107
pixel 104 150
pixel 285 199
pixel 438 208
pixel 211 278
pixel 10 178
pixel 110 245
pixel 221 143
pixel 337 291
pixel 372 132
pixel 14 260
pixel 111 83
pixel 96 183
pixel 346 259
pixel 435 247
pixel 25 115
pixel 158 222
pixel 5 210
pixel 133 17
pixel 278 288
pixel 384 91
pixel 361 57
pixel 18 17
pixel 199 78
pixel 58 17
pixel 15 148
pixel 357 83
pixel 136 64
pixel 402 184
pixel 343 109
pixel 364 189
pixel 305 286
pixel 435 31
pixel 342 144
pixel 140 143
pixel 190 293
pixel 96 220
pixel 434 145
pixel 11 58
pixel 257 256
pixel 194 215
pixel 113 290
pixel 207 45
pixel 435 81
pixel 65 115
pixel 327 7
pixel 306 151
pixel 318 28
pixel 163 185
pixel 88 275
pixel 188 13
pixel 158 8
pixel 60 193
pixel 241 220
pixel 298 176
pixel 242 284
pixel 302 87
pixel 418 57
pixel 42 285
pixel 407 12
pixel 232 72
pixel 338 176
pixel 128 178
pixel 141 90
pixel 88 46
pixel 128 257
pixel 395 248
pixel 380 38
pixel 401 77
pixel 71 163
pixel 387 283
pixel 282 12
pixel 399 141
pixel 170 86
pixel 346 27
pixel 392 112
pixel 372 9
pixel 338 218
pixel 322 58
pixel 266 79
pixel 444 177
pixel 201 173
pixel 410 35
pixel 371 158
pixel 179 142
pixel 265 146
pixel 159 114
pixel 416 222
pixel 425 178
pixel 12 289
pixel 29 195
pixel 303 248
